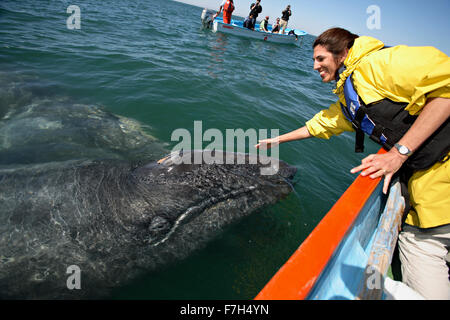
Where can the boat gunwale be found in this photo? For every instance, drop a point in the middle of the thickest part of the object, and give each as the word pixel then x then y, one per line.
pixel 297 277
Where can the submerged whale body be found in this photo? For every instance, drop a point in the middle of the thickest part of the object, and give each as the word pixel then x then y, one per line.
pixel 78 187
pixel 112 220
pixel 58 129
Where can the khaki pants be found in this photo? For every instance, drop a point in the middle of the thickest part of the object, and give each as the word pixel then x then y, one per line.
pixel 283 25
pixel 424 256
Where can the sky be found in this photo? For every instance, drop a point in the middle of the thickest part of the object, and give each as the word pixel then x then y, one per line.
pixel 408 22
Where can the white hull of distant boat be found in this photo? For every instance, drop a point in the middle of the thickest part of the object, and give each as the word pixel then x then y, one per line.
pixel 236 28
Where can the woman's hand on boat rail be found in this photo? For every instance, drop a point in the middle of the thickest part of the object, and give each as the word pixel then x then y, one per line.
pixel 435 112
pixel 378 165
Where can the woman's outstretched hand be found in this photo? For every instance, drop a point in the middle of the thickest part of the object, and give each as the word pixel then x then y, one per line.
pixel 267 143
pixel 378 165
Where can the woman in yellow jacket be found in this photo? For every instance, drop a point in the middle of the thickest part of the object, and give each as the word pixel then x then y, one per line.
pixel 419 77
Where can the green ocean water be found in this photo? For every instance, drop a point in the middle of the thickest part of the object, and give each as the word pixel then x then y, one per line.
pixel 150 61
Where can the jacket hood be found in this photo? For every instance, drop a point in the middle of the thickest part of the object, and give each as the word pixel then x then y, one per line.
pixel 362 47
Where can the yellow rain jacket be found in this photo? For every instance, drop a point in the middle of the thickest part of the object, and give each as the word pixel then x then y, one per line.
pixel 401 74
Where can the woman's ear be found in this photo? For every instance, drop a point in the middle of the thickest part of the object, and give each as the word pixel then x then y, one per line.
pixel 344 56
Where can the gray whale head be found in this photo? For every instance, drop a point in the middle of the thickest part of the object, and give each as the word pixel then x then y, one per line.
pixel 200 198
pixel 115 220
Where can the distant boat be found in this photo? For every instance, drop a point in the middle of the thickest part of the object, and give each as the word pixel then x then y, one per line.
pixel 236 28
pixel 348 254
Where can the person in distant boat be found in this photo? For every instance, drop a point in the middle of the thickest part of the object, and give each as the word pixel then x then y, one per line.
pixel 285 18
pixel 248 23
pixel 404 94
pixel 255 9
pixel 276 26
pixel 228 7
pixel 292 33
pixel 264 24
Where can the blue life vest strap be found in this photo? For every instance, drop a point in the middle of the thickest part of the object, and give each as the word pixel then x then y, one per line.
pixel 359 119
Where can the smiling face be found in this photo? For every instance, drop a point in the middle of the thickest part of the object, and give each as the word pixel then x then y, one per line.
pixel 326 63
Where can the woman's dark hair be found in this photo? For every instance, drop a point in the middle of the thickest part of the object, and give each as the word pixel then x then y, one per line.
pixel 336 40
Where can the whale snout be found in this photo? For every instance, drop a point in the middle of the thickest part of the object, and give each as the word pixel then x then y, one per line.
pixel 196 193
pixel 287 171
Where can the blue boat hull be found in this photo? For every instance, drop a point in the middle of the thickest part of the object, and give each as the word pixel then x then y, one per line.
pixel 348 254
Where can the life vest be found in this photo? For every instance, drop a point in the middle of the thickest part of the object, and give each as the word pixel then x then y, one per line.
pixel 386 122
pixel 228 7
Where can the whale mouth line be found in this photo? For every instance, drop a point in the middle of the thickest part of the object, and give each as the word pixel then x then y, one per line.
pixel 195 211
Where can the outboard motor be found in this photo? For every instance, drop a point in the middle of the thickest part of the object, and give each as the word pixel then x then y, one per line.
pixel 207 18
